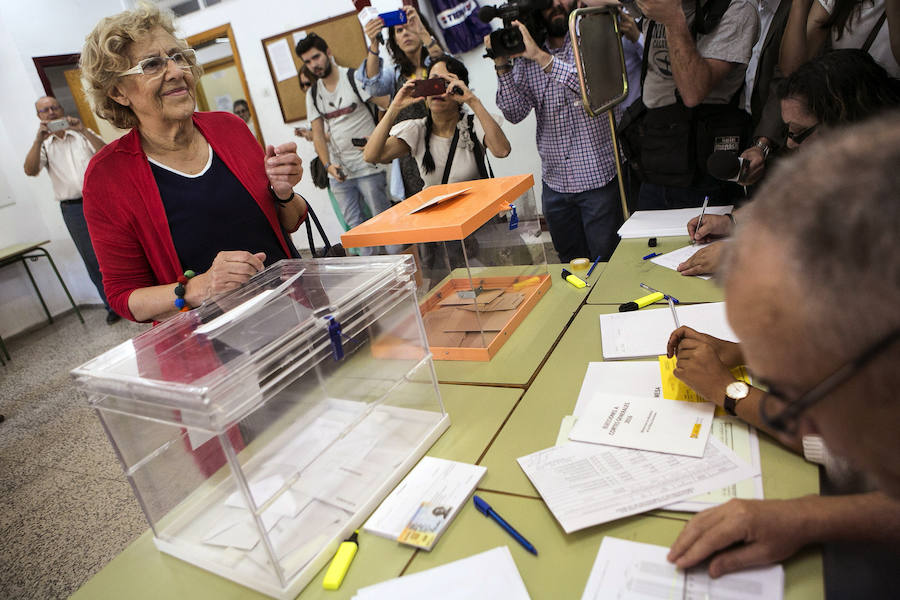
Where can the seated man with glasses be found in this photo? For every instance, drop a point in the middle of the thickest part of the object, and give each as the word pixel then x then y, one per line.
pixel 812 286
pixel 183 191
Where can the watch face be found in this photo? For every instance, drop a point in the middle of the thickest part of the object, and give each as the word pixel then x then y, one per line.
pixel 737 390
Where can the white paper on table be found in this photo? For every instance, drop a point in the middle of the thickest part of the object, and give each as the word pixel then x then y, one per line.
pixel 671 260
pixel 641 423
pixel 664 223
pixel 282 60
pixel 486 576
pixel 588 484
pixel 439 482
pixel 744 441
pixel 644 333
pixel 628 570
pixel 631 378
pixel 439 199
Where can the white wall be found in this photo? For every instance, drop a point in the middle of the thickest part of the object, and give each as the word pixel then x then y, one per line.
pixel 47 27
pixel 36 28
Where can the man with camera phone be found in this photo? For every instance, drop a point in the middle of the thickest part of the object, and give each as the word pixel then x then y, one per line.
pixel 535 67
pixel 64 146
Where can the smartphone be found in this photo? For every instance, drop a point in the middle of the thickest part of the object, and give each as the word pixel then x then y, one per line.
pixel 395 17
pixel 58 125
pixel 429 87
pixel 358 142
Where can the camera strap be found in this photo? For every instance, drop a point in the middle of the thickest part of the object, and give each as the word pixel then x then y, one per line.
pixel 484 167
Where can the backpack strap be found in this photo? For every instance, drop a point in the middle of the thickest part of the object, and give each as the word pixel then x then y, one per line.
pixel 450 156
pixel 352 78
pixel 314 92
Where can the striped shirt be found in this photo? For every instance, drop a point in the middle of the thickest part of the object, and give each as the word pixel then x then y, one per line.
pixel 576 149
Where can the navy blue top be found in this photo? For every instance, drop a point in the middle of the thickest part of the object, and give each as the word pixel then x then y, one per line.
pixel 212 213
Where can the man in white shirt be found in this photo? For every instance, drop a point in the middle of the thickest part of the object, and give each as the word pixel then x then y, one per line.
pixel 65 148
pixel 336 107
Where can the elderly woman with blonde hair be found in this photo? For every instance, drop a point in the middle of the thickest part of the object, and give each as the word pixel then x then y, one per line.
pixel 186 204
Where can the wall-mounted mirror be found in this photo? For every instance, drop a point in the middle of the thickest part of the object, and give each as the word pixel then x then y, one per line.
pixel 223 83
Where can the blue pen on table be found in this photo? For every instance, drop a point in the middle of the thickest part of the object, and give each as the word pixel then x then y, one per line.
pixel 485 509
pixel 591 270
pixel 651 255
pixel 665 295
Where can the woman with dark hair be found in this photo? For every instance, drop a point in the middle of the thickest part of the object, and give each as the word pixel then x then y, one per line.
pixel 412 47
pixel 817 25
pixel 837 88
pixel 445 135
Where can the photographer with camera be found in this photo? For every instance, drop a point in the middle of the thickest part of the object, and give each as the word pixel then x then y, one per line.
pixel 64 146
pixel 536 71
pixel 696 54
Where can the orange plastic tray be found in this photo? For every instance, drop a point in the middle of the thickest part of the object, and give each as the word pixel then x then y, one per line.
pixel 450 220
pixel 388 346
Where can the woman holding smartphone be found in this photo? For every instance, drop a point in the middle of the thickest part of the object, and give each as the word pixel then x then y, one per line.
pixel 447 144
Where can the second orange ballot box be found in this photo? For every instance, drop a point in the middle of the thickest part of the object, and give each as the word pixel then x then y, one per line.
pixel 482 263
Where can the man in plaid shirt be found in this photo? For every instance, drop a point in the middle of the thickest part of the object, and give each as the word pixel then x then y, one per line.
pixel 580 191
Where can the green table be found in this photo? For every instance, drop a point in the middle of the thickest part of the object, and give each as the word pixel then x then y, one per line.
pixel 561 569
pixel 141 571
pixel 535 423
pixel 626 270
pixel 522 354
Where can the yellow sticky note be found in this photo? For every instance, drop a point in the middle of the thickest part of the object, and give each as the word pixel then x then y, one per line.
pixel 672 387
pixel 675 389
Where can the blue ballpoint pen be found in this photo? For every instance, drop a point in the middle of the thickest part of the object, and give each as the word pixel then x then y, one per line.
pixel 665 295
pixel 485 509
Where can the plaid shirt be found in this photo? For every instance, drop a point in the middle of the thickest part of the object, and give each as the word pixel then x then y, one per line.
pixel 576 150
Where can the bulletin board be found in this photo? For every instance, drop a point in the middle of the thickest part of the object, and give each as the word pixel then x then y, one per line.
pixel 345 39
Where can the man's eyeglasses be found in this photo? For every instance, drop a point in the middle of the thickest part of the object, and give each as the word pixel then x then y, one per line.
pixel 44 111
pixel 798 138
pixel 784 419
pixel 156 65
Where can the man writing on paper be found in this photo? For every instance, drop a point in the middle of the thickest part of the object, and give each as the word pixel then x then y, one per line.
pixel 820 327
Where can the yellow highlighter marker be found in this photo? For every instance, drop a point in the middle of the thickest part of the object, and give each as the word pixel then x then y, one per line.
pixel 340 564
pixel 641 302
pixel 572 279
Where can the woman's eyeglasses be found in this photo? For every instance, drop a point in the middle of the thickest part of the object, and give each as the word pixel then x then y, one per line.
pixel 798 138
pixel 156 65
pixel 305 85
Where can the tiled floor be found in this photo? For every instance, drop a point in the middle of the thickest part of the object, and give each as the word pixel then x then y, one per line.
pixel 65 507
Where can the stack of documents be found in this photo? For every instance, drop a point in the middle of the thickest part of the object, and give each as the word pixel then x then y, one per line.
pixel 422 506
pixel 486 576
pixel 588 484
pixel 634 571
pixel 664 223
pixel 644 333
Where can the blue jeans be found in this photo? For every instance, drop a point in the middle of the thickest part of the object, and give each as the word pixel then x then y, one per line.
pixel 583 224
pixel 350 195
pixel 73 216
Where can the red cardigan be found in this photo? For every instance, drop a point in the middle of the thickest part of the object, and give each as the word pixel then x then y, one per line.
pixel 125 214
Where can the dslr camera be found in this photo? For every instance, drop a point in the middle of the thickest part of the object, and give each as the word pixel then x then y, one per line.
pixel 508 41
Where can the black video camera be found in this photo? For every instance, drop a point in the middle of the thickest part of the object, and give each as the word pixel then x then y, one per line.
pixel 508 41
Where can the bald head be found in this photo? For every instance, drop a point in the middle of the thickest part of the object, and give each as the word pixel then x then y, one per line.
pixel 48 108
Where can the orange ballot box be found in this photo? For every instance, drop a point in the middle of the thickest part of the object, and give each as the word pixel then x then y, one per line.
pixel 481 263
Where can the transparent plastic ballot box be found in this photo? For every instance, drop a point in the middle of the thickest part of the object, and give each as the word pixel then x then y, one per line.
pixel 481 257
pixel 260 429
